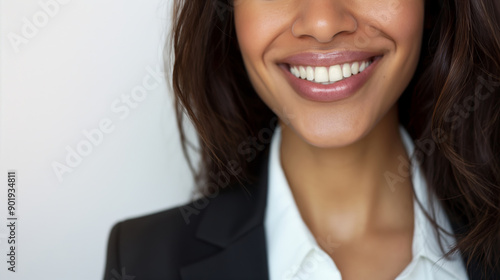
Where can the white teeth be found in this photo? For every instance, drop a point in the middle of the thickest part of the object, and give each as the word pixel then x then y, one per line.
pixel 321 75
pixel 328 75
pixel 362 66
pixel 303 73
pixel 346 70
pixel 355 68
pixel 335 73
pixel 310 73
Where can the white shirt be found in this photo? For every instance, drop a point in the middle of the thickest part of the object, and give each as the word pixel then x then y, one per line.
pixel 293 252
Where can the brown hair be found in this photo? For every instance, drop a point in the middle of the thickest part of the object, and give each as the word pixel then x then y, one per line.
pixel 456 104
pixel 211 85
pixel 452 104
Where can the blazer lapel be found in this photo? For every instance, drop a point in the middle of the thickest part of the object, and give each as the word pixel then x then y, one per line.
pixel 234 222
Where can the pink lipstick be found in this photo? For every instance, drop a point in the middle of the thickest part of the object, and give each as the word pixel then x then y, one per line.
pixel 328 77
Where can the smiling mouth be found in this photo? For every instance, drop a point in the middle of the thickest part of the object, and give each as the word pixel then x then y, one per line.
pixel 327 75
pixel 313 79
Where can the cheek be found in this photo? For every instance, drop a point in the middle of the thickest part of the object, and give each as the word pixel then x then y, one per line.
pixel 246 29
pixel 401 23
pixel 258 23
pixel 407 24
pixel 406 30
pixel 253 28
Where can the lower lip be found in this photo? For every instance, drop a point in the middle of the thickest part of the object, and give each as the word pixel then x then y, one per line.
pixel 333 92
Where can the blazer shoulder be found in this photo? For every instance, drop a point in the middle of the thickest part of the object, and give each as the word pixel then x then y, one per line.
pixel 155 246
pixel 155 225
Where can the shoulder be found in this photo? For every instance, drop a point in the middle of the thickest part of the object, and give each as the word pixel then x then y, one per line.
pixel 155 246
pixel 184 238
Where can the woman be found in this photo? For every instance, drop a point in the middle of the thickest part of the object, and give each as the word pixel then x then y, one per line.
pixel 339 139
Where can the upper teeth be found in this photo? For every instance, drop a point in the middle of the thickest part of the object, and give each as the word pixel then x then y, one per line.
pixel 329 75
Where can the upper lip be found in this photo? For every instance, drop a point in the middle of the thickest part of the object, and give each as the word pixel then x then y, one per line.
pixel 328 59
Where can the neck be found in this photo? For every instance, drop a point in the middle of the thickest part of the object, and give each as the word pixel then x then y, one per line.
pixel 345 188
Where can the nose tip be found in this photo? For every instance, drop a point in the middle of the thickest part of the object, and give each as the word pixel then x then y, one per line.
pixel 323 20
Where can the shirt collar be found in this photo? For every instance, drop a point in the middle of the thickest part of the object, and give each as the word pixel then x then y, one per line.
pixel 425 240
pixel 290 241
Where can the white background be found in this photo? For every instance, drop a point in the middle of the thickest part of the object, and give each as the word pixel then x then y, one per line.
pixel 63 77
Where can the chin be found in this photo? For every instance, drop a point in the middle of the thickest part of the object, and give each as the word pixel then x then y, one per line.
pixel 330 133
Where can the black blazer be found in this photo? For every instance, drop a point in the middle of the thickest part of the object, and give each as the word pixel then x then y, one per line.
pixel 213 238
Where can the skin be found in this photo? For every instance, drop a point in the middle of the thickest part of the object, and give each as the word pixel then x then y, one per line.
pixel 335 154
